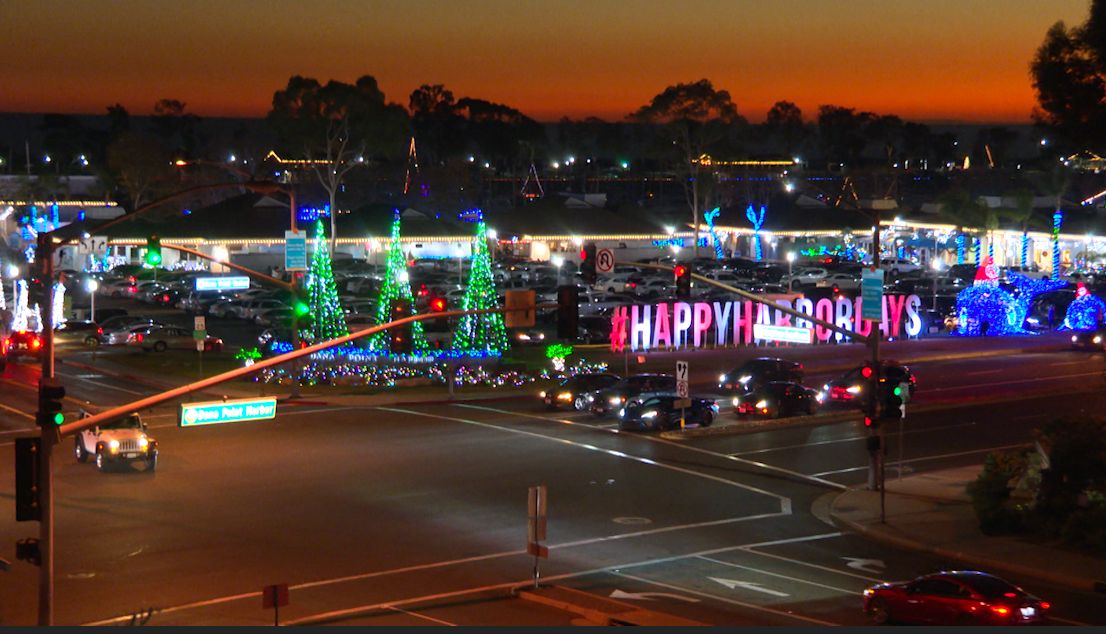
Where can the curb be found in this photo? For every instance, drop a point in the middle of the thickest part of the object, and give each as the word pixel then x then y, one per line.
pixel 884 536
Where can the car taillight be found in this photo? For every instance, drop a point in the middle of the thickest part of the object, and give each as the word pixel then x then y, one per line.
pixel 131 289
pixel 165 299
pixel 1000 610
pixel 99 331
pixel 36 343
pixel 1045 605
pixel 139 337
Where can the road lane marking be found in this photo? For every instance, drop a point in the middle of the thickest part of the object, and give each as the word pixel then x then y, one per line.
pixel 662 441
pixel 935 457
pixel 850 439
pixel 389 604
pixel 749 549
pixel 784 501
pixel 17 412
pixel 748 585
pixel 982 372
pixel 776 574
pixel 421 616
pixel 1036 379
pixel 750 606
pixel 109 386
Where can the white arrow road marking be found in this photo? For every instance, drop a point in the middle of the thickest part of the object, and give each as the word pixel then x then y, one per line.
pixel 748 585
pixel 649 596
pixel 867 565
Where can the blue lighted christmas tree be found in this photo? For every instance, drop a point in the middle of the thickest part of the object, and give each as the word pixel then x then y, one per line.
pixel 328 321
pixel 483 334
pixel 395 286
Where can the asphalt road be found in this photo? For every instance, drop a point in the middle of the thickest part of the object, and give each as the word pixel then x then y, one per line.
pixel 417 514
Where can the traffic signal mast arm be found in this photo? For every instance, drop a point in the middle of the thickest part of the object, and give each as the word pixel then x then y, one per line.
pixel 757 298
pixel 157 399
pixel 268 279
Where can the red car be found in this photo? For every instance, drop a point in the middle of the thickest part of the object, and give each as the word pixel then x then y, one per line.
pixel 22 342
pixel 959 597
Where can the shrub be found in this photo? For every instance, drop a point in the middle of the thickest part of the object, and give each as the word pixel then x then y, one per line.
pixel 990 493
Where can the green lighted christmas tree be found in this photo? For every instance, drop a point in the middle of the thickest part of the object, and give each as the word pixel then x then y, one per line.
pixel 396 286
pixel 480 334
pixel 328 320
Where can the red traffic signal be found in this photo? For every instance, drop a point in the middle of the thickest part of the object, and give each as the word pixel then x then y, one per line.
pixel 680 270
pixel 868 421
pixel 866 372
pixel 438 304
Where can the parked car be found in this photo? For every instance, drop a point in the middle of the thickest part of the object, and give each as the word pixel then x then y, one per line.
pixel 853 385
pixel 840 281
pixel 85 333
pixel 275 316
pixel 957 597
pixel 777 399
pixel 898 265
pixel 611 399
pixel 573 390
pixel 161 338
pixel 659 412
pixel 123 334
pixel 757 372
pixel 118 287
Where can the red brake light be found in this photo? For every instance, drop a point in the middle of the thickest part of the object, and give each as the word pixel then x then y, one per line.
pixel 131 289
pixel 1000 610
pixel 1045 605
pixel 36 343
pixel 165 299
pixel 99 331
pixel 131 280
pixel 139 337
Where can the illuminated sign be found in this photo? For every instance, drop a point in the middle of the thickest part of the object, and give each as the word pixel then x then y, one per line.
pixel 790 334
pixel 697 324
pixel 222 283
pixel 216 412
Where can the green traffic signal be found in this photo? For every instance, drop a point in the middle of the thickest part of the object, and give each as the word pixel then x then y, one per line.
pixel 301 309
pixel 59 418
pixel 898 390
pixel 153 251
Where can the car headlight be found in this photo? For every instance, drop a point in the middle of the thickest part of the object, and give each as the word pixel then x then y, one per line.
pixel 1075 338
pixel 113 445
pixel 622 413
pixel 761 404
pixel 826 387
pixel 649 414
pixel 721 378
pixel 854 389
pixel 1097 339
pixel 541 394
pixel 869 592
pixel 615 400
pixel 736 401
pixel 745 379
pixel 523 336
pixel 564 396
pixel 143 442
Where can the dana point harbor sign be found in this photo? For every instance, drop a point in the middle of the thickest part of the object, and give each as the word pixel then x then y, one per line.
pixel 236 283
pixel 216 412
pixel 732 323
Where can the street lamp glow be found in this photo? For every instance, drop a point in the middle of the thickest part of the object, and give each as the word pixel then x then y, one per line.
pixel 492 234
pixel 669 229
pixel 675 248
pixel 91 285
pixel 935 264
pixel 790 256
pixel 12 271
pixel 557 261
pixel 789 187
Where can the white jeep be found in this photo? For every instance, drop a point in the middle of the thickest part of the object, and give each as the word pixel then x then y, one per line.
pixel 118 441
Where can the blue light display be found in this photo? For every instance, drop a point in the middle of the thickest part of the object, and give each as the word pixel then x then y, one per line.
pixel 1085 313
pixel 757 220
pixel 306 215
pixel 960 248
pixel 1057 222
pixel 1025 249
pixel 709 217
pixel 989 309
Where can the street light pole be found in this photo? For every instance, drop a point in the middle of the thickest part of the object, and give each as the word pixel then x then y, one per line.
pixel 790 261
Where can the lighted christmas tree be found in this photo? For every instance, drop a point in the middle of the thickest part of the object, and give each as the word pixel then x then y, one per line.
pixel 483 334
pixel 396 286
pixel 328 320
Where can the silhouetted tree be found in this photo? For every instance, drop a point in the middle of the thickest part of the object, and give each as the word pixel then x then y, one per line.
pixel 1069 76
pixel 695 118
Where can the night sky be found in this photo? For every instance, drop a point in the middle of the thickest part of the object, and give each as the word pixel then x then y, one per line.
pixel 932 60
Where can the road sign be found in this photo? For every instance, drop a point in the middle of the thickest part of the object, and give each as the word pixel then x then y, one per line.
pixel 535 510
pixel 681 379
pixel 199 322
pixel 604 260
pixel 295 251
pixel 681 403
pixel 871 294
pixel 274 596
pixel 223 283
pixel 789 334
pixel 94 244
pixel 236 411
pixel 519 318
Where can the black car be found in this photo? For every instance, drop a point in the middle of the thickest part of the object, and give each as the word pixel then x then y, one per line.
pixel 659 412
pixel 572 392
pixel 850 387
pixel 85 333
pixel 611 399
pixel 777 399
pixel 755 373
pixel 1089 340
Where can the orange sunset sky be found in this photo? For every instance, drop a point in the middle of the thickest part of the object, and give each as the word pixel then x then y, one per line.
pixel 932 60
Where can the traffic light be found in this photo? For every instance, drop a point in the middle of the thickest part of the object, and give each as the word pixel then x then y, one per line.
pixel 50 395
pixel 896 401
pixel 153 251
pixel 400 336
pixel 682 273
pixel 869 423
pixel 27 507
pixel 587 262
pixel 568 313
pixel 866 372
pixel 438 304
pixel 36 291
pixel 27 550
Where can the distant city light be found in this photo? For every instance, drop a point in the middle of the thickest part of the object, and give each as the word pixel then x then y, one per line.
pixel 789 187
pixel 625 165
pixel 556 165
pixel 232 158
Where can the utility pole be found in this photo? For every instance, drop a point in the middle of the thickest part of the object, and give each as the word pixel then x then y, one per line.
pixel 876 450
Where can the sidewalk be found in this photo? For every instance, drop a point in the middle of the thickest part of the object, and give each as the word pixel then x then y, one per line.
pixel 931 512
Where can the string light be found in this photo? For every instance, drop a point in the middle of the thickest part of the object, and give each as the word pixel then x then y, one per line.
pixel 1057 221
pixel 709 217
pixel 757 222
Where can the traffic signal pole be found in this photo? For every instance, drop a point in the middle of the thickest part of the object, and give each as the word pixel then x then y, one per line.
pixel 44 256
pixel 876 457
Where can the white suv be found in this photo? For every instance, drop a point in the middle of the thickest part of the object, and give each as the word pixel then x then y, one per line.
pixel 898 265
pixel 118 441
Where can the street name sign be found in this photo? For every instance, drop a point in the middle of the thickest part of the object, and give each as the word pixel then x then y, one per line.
pixel 295 251
pixel 236 411
pixel 230 283
pixel 871 294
